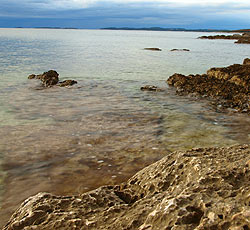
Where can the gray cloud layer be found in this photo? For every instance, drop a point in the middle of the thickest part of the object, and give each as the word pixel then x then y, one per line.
pixel 96 14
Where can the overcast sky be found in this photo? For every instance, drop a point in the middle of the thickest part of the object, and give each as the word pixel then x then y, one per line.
pixel 190 14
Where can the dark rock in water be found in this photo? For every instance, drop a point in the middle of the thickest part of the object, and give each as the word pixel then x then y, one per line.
pixel 49 78
pixel 67 83
pixel 198 189
pixel 179 50
pixel 246 61
pixel 151 88
pixel 241 38
pixel 34 76
pixel 153 49
pixel 229 86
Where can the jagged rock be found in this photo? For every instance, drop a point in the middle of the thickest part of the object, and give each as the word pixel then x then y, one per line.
pixel 246 61
pixel 199 189
pixel 153 49
pixel 229 86
pixel 151 88
pixel 67 83
pixel 179 50
pixel 49 78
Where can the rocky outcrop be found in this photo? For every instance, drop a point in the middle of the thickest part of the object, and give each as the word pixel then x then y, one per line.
pixel 151 88
pixel 153 49
pixel 51 78
pixel 179 50
pixel 244 38
pixel 229 86
pixel 199 189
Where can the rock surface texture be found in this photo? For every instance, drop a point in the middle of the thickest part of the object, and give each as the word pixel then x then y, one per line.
pixel 199 189
pixel 229 86
pixel 51 78
pixel 241 38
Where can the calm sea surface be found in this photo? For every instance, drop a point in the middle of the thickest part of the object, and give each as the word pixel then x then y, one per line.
pixel 104 129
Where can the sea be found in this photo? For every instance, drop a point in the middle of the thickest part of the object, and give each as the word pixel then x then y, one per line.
pixel 104 129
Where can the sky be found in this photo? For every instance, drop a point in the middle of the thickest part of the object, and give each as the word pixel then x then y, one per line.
pixel 93 14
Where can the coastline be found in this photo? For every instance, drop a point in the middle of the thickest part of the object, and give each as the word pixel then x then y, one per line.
pixel 202 188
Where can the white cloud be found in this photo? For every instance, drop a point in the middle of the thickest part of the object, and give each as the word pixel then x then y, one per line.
pixel 78 4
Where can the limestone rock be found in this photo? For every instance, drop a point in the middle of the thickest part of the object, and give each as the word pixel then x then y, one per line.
pixel 203 188
pixel 228 86
pixel 153 49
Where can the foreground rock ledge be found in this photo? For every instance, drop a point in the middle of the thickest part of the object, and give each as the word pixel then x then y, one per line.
pixel 229 86
pixel 204 188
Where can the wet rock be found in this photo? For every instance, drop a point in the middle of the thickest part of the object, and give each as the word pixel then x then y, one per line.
pixel 67 83
pixel 179 50
pixel 151 88
pixel 229 86
pixel 34 76
pixel 202 188
pixel 153 49
pixel 49 78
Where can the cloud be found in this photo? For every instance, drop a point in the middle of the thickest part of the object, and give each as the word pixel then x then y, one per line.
pixel 134 13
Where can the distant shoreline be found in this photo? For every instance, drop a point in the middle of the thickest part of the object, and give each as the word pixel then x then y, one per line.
pixel 176 29
pixel 137 29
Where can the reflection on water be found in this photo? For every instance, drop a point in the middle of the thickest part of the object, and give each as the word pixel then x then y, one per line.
pixel 104 129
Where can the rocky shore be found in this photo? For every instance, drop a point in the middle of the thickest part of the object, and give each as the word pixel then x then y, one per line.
pixel 241 38
pixel 203 188
pixel 228 87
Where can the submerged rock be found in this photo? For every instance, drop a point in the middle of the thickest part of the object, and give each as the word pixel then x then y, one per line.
pixel 67 83
pixel 203 188
pixel 151 88
pixel 229 86
pixel 51 78
pixel 153 49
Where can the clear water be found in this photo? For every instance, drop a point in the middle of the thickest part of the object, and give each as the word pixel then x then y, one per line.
pixel 104 129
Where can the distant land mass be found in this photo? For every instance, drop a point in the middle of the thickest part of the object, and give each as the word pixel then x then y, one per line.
pixel 175 29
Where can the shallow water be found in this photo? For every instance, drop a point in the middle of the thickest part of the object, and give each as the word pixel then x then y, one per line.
pixel 104 129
